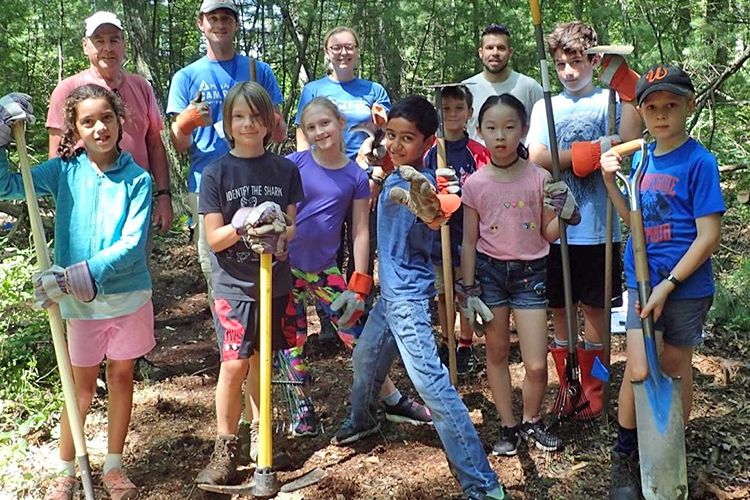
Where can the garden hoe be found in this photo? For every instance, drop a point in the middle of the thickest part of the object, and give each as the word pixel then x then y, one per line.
pixel 658 398
pixel 571 412
pixel 619 50
pixel 264 483
pixel 55 318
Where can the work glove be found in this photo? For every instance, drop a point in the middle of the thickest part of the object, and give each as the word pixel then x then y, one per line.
pixel 55 283
pixel 616 75
pixel 14 107
pixel 263 227
pixel 352 300
pixel 586 155
pixel 447 181
pixel 558 197
pixel 476 311
pixel 422 200
pixel 197 114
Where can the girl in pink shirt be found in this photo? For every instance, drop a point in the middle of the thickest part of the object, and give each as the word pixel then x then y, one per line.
pixel 509 221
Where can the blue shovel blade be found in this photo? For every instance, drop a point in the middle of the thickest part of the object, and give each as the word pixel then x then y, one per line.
pixel 658 387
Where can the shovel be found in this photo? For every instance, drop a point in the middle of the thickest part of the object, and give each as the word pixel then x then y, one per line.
pixel 264 483
pixel 56 324
pixel 658 398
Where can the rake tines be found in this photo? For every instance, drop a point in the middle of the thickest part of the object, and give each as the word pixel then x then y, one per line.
pixel 573 420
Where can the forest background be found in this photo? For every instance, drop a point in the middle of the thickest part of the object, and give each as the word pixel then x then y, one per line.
pixel 406 45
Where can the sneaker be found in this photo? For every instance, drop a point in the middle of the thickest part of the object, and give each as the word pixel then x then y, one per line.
pixel 443 353
pixel 464 360
pixel 62 488
pixel 497 493
pixel 408 411
pixel 348 434
pixel 247 437
pixel 119 486
pixel 625 476
pixel 537 433
pixel 305 421
pixel 223 463
pixel 507 444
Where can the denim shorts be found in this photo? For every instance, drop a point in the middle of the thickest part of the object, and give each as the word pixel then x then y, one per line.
pixel 681 321
pixel 520 284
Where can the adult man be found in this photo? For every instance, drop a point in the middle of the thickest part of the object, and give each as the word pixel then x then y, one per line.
pixel 497 78
pixel 196 97
pixel 104 44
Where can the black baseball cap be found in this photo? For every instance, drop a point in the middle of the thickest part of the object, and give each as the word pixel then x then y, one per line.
pixel 663 77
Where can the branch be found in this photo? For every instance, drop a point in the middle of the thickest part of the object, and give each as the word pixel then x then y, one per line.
pixel 702 96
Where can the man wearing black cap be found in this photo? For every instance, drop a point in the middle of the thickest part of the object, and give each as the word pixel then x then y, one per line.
pixel 104 44
pixel 196 97
pixel 682 207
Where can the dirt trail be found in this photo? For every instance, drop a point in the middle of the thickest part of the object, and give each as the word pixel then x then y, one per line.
pixel 173 423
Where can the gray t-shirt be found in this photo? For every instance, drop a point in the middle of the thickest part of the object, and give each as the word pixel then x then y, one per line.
pixel 523 88
pixel 229 184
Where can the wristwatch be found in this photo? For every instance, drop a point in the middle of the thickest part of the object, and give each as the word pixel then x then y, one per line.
pixel 160 192
pixel 671 278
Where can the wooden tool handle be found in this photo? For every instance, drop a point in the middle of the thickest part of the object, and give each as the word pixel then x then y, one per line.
pixel 628 148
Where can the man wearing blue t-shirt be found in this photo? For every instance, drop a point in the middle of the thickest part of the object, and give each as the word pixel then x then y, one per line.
pixel 196 97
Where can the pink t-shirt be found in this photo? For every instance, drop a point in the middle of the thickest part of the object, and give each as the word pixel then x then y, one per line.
pixel 510 213
pixel 140 103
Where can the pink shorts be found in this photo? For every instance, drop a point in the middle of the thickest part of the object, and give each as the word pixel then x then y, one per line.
pixel 125 337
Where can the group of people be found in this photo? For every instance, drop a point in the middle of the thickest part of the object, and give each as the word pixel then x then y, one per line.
pixel 105 147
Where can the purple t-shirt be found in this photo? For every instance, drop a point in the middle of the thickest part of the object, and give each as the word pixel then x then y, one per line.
pixel 329 194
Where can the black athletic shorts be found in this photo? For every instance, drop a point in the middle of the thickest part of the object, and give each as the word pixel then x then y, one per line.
pixel 587 275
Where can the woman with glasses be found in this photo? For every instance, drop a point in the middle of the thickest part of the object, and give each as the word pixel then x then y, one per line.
pixel 352 95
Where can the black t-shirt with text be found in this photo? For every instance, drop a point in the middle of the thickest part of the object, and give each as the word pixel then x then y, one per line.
pixel 229 184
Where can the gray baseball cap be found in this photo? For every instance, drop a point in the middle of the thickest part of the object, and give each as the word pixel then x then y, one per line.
pixel 212 5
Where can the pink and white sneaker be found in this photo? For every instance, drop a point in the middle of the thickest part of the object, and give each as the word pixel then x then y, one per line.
pixel 119 486
pixel 62 488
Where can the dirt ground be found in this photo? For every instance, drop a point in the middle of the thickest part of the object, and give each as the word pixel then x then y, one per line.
pixel 173 424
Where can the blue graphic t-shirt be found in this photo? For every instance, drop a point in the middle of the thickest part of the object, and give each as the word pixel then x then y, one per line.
pixel 676 189
pixel 214 79
pixel 404 246
pixel 354 99
pixel 579 119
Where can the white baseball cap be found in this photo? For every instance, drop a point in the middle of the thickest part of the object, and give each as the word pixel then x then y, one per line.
pixel 99 18
pixel 212 5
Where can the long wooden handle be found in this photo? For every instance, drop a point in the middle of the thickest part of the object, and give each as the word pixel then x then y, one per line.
pixel 265 450
pixel 56 324
pixel 628 148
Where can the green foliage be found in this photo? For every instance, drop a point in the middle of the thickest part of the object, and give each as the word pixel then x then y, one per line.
pixel 731 308
pixel 29 393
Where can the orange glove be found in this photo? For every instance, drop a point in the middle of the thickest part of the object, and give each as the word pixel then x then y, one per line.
pixel 352 301
pixel 586 155
pixel 616 75
pixel 197 114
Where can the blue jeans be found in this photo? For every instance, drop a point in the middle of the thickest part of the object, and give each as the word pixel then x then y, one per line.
pixel 405 327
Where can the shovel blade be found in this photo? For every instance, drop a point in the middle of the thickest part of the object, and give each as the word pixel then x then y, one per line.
pixel 661 448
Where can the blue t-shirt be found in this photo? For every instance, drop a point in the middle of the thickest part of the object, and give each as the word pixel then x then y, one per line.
pixel 676 189
pixel 579 119
pixel 354 99
pixel 329 194
pixel 404 246
pixel 214 79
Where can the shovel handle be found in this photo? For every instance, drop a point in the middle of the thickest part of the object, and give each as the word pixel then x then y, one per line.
pixel 265 450
pixel 628 148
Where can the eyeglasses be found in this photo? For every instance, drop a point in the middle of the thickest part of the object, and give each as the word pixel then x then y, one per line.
pixel 337 49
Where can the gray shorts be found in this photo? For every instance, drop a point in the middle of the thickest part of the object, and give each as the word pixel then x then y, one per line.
pixel 681 321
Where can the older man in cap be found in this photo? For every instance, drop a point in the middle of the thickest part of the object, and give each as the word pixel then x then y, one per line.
pixel 104 44
pixel 196 97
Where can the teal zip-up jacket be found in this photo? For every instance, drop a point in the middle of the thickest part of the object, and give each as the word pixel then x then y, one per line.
pixel 101 218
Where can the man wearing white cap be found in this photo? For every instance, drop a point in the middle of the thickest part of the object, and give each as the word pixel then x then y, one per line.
pixel 196 97
pixel 104 44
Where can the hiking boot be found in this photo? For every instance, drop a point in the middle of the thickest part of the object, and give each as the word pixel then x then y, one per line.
pixel 62 488
pixel 625 476
pixel 497 493
pixel 464 360
pixel 507 444
pixel 537 433
pixel 119 486
pixel 443 353
pixel 348 434
pixel 223 464
pixel 305 422
pixel 408 411
pixel 247 437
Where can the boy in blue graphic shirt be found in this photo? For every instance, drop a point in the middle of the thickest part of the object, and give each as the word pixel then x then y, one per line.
pixel 400 321
pixel 682 209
